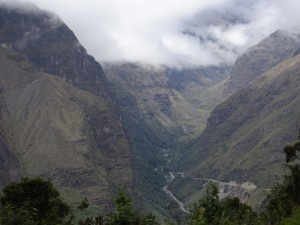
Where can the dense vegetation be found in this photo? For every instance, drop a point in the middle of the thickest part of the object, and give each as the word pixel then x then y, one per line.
pixel 37 202
pixel 33 201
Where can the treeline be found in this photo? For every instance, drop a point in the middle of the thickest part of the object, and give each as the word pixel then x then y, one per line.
pixel 38 202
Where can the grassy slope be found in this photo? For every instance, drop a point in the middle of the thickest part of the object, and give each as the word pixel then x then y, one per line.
pixel 246 133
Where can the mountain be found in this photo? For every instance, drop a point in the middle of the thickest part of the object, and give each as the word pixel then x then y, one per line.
pixel 245 135
pixel 129 126
pixel 258 59
pixel 91 136
pixel 167 99
pixel 161 111
pixel 51 46
pixel 58 118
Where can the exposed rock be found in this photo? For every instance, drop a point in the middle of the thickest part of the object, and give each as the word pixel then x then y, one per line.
pixel 232 189
pixel 52 47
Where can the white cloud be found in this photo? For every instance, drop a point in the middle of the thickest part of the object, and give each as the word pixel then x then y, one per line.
pixel 152 31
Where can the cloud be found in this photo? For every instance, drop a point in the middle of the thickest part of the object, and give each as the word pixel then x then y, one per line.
pixel 173 32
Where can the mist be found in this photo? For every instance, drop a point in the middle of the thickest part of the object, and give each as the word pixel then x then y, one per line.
pixel 186 33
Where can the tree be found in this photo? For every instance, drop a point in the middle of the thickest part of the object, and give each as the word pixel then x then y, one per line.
pixel 124 213
pixel 291 151
pixel 83 205
pixel 35 199
pixel 207 208
pixel 230 211
pixel 285 197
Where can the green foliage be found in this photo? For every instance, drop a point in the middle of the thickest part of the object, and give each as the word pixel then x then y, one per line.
pixel 33 200
pixel 210 210
pixel 294 219
pixel 235 212
pixel 124 214
pixel 210 204
pixel 98 220
pixel 10 215
pixel 291 151
pixel 285 197
pixel 83 205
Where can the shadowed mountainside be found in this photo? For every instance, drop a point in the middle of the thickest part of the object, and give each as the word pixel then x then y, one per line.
pixel 62 126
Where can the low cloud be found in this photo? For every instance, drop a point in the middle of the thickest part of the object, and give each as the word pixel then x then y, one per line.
pixel 173 32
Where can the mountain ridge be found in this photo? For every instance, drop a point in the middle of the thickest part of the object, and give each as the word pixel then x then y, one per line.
pixel 258 59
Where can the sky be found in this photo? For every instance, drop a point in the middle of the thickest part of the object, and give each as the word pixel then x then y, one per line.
pixel 186 33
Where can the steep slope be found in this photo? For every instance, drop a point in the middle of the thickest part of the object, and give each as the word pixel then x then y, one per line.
pixel 9 164
pixel 258 59
pixel 64 133
pixel 55 129
pixel 245 134
pixel 50 46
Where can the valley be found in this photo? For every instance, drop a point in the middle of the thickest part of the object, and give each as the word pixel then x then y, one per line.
pixel 162 133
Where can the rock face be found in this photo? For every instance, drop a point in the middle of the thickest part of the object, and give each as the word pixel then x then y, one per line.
pixel 234 190
pixel 51 46
pixel 260 58
pixel 59 118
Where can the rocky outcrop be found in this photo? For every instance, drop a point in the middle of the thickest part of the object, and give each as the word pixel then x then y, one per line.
pixel 234 190
pixel 51 47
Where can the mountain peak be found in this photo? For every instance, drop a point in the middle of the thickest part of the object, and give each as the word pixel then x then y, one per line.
pixel 272 50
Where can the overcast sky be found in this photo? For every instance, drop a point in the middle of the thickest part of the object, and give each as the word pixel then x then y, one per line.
pixel 167 31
